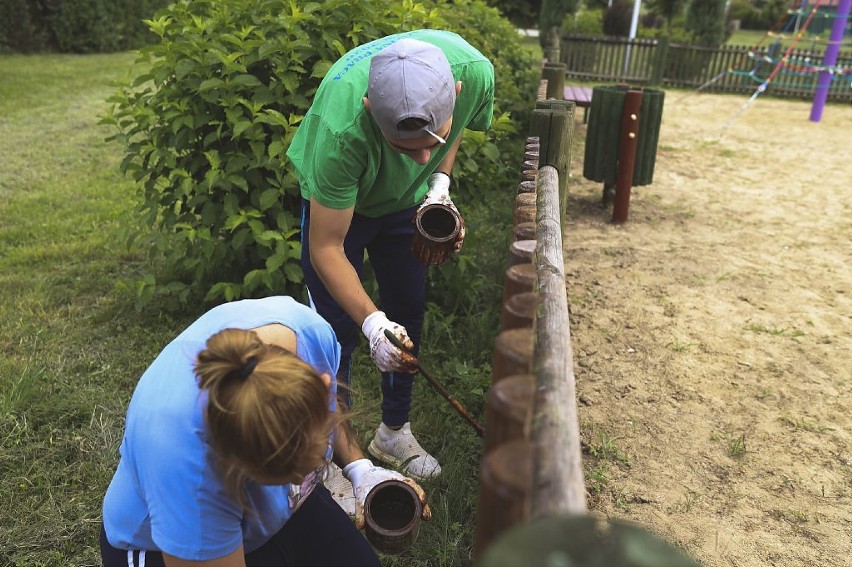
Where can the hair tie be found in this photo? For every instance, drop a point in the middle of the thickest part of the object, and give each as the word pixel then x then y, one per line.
pixel 249 367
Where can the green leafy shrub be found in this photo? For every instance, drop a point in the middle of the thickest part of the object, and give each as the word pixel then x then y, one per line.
pixel 746 13
pixel 206 126
pixel 706 20
pixel 75 26
pixel 522 13
pixel 585 22
pixel 515 69
pixel 668 10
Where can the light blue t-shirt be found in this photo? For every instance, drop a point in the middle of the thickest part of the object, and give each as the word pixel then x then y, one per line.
pixel 166 494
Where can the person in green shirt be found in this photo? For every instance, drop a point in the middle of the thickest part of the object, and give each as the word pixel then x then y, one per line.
pixel 378 142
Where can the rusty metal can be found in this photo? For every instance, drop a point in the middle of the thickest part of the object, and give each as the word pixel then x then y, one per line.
pixel 392 513
pixel 436 228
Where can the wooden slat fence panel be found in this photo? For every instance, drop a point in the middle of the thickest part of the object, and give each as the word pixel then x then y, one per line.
pixel 728 69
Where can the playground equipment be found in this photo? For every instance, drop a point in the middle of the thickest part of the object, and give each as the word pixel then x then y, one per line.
pixel 799 66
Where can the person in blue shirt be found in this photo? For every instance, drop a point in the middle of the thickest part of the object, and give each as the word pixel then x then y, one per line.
pixel 227 438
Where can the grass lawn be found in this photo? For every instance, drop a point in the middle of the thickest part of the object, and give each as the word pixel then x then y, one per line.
pixel 72 349
pixel 532 43
pixel 73 345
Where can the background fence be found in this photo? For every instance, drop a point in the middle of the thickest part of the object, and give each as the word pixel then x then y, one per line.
pixel 730 68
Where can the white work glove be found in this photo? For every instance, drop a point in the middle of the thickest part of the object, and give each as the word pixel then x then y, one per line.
pixel 386 356
pixel 439 193
pixel 364 475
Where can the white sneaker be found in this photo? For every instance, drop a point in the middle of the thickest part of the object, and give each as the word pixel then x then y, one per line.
pixel 400 449
pixel 340 488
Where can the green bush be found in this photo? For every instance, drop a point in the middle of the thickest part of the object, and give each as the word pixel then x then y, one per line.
pixel 668 10
pixel 743 11
pixel 516 71
pixel 19 29
pixel 522 13
pixel 75 26
pixel 775 11
pixel 206 128
pixel 706 20
pixel 586 22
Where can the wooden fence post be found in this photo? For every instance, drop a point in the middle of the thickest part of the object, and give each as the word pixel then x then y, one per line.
pixel 521 252
pixel 554 125
pixel 504 492
pixel 554 74
pixel 508 410
pixel 661 55
pixel 513 353
pixel 519 311
pixel 524 231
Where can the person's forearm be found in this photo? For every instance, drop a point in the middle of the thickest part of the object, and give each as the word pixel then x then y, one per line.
pixel 346 448
pixel 342 282
pixel 327 234
pixel 446 165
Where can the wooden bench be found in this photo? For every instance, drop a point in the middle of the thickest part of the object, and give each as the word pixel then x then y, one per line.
pixel 582 97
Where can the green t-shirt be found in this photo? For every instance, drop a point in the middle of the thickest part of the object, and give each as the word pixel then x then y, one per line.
pixel 340 156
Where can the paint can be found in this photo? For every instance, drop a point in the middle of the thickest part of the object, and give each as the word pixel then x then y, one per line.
pixel 436 228
pixel 392 513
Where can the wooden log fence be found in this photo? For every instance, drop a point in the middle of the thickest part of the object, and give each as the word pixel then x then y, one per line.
pixel 532 464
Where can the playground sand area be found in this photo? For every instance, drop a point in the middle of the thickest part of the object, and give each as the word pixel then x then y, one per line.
pixel 712 334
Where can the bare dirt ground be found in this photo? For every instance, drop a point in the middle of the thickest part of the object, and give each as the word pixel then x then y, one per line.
pixel 712 334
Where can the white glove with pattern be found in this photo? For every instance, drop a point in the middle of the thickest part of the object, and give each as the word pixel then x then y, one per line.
pixel 384 354
pixel 364 476
pixel 439 193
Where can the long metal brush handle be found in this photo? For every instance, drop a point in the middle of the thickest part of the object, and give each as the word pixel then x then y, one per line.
pixel 438 386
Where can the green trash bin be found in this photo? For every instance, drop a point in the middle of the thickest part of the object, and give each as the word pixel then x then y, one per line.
pixel 604 131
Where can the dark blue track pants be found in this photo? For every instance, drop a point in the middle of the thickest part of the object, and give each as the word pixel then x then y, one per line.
pixel 318 533
pixel 402 295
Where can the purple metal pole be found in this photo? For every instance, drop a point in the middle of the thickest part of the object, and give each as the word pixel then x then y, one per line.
pixel 824 80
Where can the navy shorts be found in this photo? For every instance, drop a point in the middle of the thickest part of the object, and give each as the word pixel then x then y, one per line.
pixel 318 533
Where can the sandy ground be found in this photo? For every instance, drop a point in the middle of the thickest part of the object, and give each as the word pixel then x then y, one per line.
pixel 712 334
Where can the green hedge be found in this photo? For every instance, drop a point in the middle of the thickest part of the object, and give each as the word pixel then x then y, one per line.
pixel 206 126
pixel 75 26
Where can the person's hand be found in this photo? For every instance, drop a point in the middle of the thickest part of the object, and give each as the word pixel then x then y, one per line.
pixel 364 476
pixel 384 354
pixel 439 193
pixel 439 190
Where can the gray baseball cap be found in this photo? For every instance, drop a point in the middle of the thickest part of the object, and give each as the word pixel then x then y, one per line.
pixel 411 79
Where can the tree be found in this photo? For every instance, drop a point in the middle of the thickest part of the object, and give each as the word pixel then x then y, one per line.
pixel 551 16
pixel 616 19
pixel 668 9
pixel 706 20
pixel 522 13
